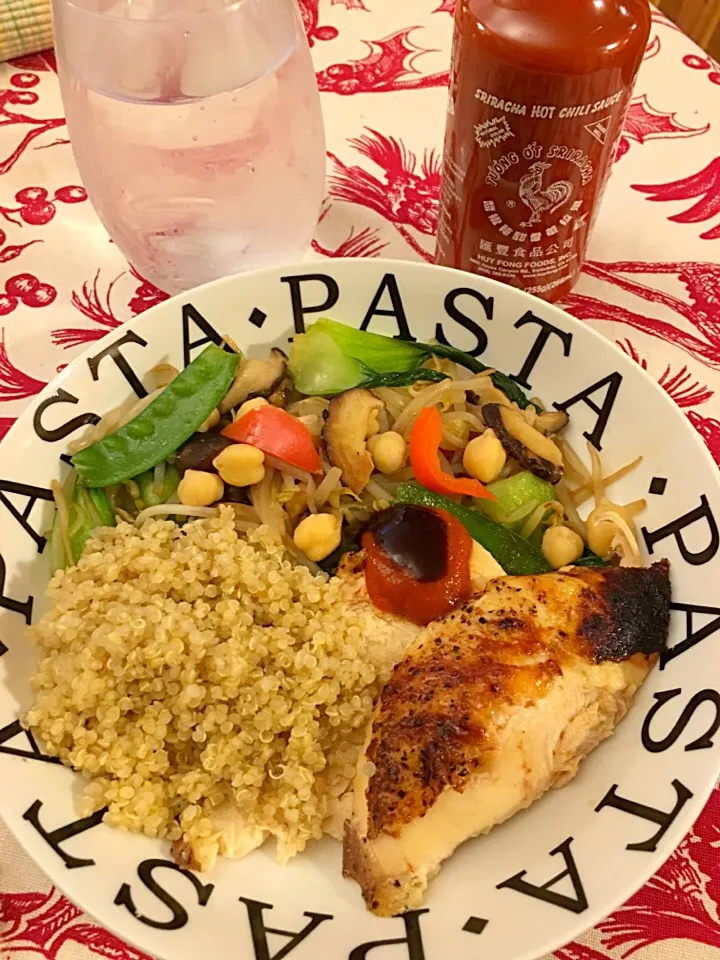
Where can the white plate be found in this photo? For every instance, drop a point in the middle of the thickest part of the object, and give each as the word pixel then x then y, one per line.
pixel 660 765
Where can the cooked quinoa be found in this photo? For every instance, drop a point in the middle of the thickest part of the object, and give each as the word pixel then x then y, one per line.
pixel 182 668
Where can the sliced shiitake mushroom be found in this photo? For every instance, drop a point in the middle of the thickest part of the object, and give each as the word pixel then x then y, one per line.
pixel 233 494
pixel 552 421
pixel 256 378
pixel 200 451
pixel 532 450
pixel 282 393
pixel 345 433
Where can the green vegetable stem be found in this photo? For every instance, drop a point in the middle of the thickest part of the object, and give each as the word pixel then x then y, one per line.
pixel 590 559
pixel 514 554
pixel 515 492
pixel 88 509
pixel 149 494
pixel 163 426
pixel 332 357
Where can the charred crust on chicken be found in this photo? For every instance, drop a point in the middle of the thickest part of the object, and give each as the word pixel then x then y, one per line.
pixel 636 614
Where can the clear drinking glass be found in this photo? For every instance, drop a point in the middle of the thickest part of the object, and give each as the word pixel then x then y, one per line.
pixel 197 129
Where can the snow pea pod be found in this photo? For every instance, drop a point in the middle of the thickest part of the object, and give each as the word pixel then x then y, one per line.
pixel 514 554
pixel 163 425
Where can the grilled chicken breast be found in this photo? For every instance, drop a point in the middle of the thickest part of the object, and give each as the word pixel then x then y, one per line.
pixel 491 707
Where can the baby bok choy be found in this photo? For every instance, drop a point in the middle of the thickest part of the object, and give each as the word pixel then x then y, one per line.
pixel 332 357
pixel 79 511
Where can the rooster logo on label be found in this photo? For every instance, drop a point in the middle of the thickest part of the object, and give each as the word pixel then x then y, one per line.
pixel 541 200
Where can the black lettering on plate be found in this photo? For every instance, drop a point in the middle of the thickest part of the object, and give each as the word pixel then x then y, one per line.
pixel 191 314
pixel 259 931
pixel 3 649
pixel 546 331
pixel 30 752
pixel 456 314
pixel 33 494
pixel 123 366
pixel 58 836
pixel 611 384
pixel 389 285
pixel 700 743
pixel 179 916
pixel 692 636
pixel 23 607
pixel 652 814
pixel 657 486
pixel 65 429
pixel 576 904
pixel 299 308
pixel 675 529
pixel 413 939
pixel 475 925
pixel 257 318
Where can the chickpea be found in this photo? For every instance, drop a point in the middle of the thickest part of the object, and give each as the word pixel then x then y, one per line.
pixel 198 488
pixel 562 546
pixel 240 465
pixel 212 421
pixel 388 451
pixel 249 405
pixel 600 534
pixel 318 535
pixel 484 457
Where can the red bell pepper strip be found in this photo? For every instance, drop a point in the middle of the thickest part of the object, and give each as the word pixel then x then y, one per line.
pixel 425 439
pixel 279 434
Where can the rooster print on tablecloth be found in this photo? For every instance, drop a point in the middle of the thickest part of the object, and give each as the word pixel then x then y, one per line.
pixel 406 195
pixel 389 66
pixel 539 199
pixel 695 323
pixel 310 13
pixel 695 328
pixel 686 393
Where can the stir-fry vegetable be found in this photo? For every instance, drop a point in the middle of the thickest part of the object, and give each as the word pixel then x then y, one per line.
pixel 406 379
pixel 590 559
pixel 424 457
pixel 514 493
pixel 332 357
pixel 87 510
pixel 279 434
pixel 154 490
pixel 163 425
pixel 514 554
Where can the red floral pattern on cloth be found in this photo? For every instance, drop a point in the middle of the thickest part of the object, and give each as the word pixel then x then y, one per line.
pixel 652 285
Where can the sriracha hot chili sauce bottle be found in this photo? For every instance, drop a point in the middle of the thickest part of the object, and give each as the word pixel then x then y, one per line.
pixel 539 90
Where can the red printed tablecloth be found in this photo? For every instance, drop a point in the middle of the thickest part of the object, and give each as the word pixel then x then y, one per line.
pixel 651 285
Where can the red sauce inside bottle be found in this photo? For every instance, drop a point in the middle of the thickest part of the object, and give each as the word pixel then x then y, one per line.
pixel 539 90
pixel 417 562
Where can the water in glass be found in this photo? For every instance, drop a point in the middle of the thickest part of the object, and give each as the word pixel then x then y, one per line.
pixel 197 129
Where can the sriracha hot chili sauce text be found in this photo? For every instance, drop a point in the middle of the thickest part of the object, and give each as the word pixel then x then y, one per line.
pixel 539 90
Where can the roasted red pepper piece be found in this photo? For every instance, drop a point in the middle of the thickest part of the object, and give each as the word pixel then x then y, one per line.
pixel 396 585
